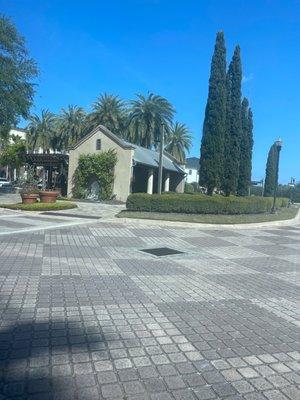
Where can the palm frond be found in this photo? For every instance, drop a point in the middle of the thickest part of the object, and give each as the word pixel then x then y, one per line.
pixel 179 141
pixel 147 114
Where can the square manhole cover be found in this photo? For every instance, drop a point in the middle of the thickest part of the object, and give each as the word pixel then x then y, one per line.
pixel 162 251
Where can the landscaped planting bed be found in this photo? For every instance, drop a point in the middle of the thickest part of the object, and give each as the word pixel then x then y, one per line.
pixel 283 214
pixel 201 204
pixel 38 206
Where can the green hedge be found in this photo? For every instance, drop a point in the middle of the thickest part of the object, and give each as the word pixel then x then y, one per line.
pixel 201 204
pixel 188 188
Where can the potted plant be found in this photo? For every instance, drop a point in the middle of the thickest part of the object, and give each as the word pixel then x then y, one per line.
pixel 48 196
pixel 29 197
pixel 29 191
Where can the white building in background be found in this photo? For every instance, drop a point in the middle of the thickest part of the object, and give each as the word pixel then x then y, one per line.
pixel 192 169
pixel 21 133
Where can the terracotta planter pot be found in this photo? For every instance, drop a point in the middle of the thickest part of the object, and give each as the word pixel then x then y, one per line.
pixel 48 197
pixel 29 198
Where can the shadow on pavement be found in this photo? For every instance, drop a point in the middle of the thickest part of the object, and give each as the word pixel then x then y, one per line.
pixel 39 360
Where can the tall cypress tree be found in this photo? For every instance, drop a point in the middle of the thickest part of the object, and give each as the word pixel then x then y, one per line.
pixel 233 125
pixel 270 171
pixel 246 146
pixel 214 122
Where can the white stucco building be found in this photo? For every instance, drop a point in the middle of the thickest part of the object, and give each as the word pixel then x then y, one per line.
pixel 192 170
pixel 136 170
pixel 17 132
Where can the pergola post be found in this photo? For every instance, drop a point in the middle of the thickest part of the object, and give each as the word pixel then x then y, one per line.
pixel 49 184
pixel 150 182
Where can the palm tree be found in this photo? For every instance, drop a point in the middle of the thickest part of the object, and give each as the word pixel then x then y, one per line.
pixel 110 111
pixel 179 141
pixel 147 115
pixel 71 126
pixel 40 129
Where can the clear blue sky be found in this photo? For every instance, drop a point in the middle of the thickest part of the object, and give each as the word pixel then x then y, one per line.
pixel 126 47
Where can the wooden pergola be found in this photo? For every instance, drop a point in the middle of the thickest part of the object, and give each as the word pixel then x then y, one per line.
pixel 50 162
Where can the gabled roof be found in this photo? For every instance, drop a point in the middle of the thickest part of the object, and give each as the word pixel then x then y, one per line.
pixel 192 163
pixel 122 143
pixel 141 155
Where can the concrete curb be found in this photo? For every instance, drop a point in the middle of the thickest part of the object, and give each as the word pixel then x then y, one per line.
pixel 195 225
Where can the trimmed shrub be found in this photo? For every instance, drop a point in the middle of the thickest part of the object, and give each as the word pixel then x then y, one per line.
pixel 201 204
pixel 282 202
pixel 188 188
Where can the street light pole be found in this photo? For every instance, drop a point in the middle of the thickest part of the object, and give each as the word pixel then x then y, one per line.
pixel 278 144
pixel 292 186
pixel 160 165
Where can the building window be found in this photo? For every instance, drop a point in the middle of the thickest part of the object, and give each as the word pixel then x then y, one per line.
pixel 98 144
pixel 190 172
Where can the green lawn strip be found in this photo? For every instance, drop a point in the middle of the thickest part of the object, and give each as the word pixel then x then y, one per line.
pixel 59 205
pixel 63 198
pixel 282 214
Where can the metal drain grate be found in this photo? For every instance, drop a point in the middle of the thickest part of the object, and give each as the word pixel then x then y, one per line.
pixel 162 251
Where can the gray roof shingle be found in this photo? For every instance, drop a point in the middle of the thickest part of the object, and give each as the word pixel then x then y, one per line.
pixel 151 158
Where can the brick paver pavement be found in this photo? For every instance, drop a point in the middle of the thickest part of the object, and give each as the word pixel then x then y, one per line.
pixel 85 314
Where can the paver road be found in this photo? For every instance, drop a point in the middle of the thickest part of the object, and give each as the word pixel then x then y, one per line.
pixel 86 314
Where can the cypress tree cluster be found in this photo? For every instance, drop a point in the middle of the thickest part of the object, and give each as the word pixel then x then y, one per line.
pixel 227 140
pixel 245 167
pixel 211 159
pixel 233 125
pixel 270 171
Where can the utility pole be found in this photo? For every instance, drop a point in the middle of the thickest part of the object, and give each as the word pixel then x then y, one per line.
pixel 161 151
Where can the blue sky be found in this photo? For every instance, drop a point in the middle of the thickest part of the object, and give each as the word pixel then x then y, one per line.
pixel 126 47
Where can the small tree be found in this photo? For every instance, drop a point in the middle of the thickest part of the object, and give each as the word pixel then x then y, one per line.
pixel 13 156
pixel 29 181
pixel 17 70
pixel 270 171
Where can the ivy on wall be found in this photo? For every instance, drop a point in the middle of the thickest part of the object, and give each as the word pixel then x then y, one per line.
pixel 91 168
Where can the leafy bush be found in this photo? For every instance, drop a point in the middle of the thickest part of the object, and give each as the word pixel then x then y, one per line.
pixel 13 155
pixel 282 202
pixel 282 191
pixel 188 188
pixel 29 182
pixel 59 205
pixel 201 204
pixel 95 167
pixel 197 187
pixel 290 192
